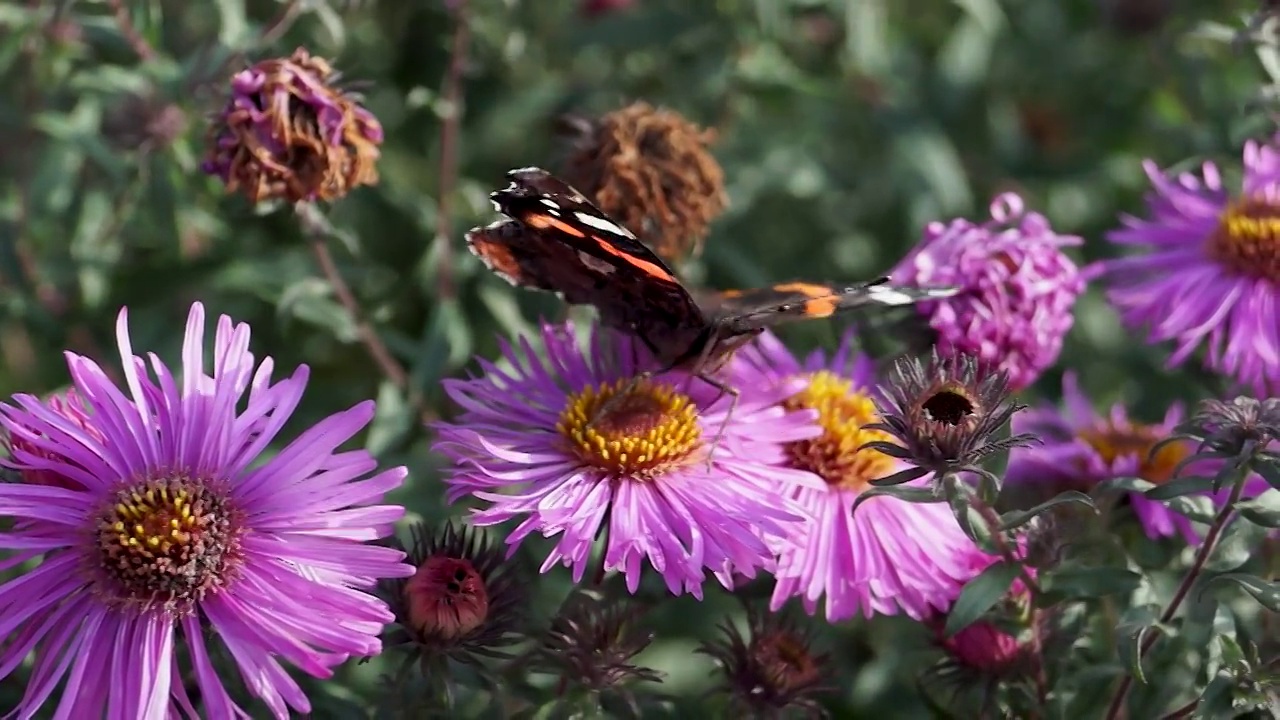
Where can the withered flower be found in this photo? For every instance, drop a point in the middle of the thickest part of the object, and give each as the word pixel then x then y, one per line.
pixel 591 643
pixel 770 672
pixel 288 132
pixel 945 413
pixel 1234 427
pixel 651 171
pixel 466 601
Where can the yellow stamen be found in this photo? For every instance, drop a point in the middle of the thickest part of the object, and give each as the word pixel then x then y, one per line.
pixel 631 428
pixel 842 413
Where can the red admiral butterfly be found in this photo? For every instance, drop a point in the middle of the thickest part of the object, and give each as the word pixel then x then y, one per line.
pixel 555 239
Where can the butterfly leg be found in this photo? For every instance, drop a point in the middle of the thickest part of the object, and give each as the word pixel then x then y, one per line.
pixel 734 396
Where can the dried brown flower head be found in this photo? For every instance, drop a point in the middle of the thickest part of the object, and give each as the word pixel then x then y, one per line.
pixel 771 671
pixel 651 171
pixel 465 601
pixel 590 645
pixel 945 412
pixel 289 133
pixel 1234 427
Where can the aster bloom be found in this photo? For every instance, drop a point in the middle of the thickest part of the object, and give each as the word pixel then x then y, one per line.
pixel 891 555
pixel 1210 273
pixel 769 671
pixel 288 132
pixel 464 601
pixel 575 443
pixel 944 413
pixel 1018 288
pixel 649 169
pixel 1082 448
pixel 174 522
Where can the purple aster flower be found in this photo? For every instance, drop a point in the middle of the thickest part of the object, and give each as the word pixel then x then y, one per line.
pixel 891 555
pixel 575 444
pixel 1019 288
pixel 1081 448
pixel 173 521
pixel 1211 273
pixel 288 132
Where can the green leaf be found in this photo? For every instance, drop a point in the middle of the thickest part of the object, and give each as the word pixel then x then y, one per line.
pixel 980 595
pixel 393 420
pixel 901 492
pixel 1127 484
pixel 1262 510
pixel 1199 508
pixel 1266 593
pixel 1130 631
pixel 1235 547
pixel 1269 470
pixel 1091 582
pixel 1180 486
pixel 1017 518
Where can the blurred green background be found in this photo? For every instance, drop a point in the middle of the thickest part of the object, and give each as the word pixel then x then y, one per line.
pixel 844 127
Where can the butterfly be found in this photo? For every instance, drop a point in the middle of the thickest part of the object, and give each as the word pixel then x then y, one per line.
pixel 554 239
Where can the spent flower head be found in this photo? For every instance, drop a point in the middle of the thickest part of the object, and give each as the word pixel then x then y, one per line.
pixel 943 414
pixel 771 670
pixel 891 555
pixel 464 601
pixel 579 442
pixel 176 532
pixel 1018 288
pixel 650 169
pixel 289 133
pixel 591 644
pixel 1231 428
pixel 1209 271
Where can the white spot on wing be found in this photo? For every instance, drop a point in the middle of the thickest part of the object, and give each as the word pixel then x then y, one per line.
pixel 595 263
pixel 599 223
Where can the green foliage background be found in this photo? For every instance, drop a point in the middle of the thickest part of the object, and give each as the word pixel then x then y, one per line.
pixel 845 126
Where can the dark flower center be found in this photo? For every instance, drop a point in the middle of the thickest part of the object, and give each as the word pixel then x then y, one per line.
pixel 168 542
pixel 1247 239
pixel 446 598
pixel 834 455
pixel 949 406
pixel 785 662
pixel 1111 443
pixel 631 428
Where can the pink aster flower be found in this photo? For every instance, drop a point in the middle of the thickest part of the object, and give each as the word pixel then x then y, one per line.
pixel 175 530
pixel 1019 288
pixel 889 556
pixel 1210 273
pixel 1080 448
pixel 573 444
pixel 72 408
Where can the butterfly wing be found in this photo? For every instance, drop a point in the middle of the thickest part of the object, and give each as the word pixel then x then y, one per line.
pixel 743 311
pixel 557 240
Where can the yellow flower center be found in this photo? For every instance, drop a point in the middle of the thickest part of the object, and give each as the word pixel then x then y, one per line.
pixel 1248 239
pixel 1111 443
pixel 834 456
pixel 631 428
pixel 167 542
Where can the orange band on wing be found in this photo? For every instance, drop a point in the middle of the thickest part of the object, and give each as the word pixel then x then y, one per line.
pixel 542 222
pixel 812 290
pixel 640 264
pixel 821 307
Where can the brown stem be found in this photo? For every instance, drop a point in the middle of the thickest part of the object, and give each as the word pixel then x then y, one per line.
pixel 140 46
pixel 1197 565
pixel 318 231
pixel 1184 711
pixel 452 92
